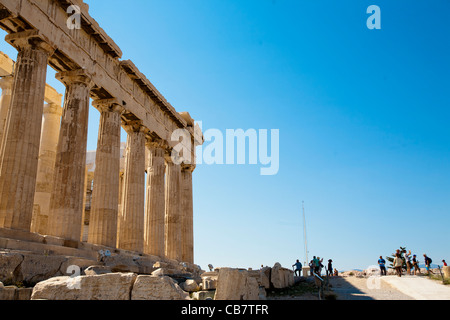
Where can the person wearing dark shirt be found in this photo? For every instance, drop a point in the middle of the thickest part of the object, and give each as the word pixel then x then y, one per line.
pixel 382 264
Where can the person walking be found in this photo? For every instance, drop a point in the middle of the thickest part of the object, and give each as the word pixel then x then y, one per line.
pixel 428 262
pixel 415 264
pixel 408 263
pixel 398 264
pixel 298 268
pixel 330 268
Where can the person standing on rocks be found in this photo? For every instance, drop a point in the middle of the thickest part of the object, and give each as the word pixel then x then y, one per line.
pixel 398 264
pixel 298 268
pixel 330 267
pixel 408 262
pixel 382 264
pixel 415 264
pixel 316 264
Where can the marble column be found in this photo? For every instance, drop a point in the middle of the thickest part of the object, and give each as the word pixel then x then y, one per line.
pixel 5 101
pixel 66 205
pixel 131 224
pixel 105 196
pixel 187 214
pixel 155 205
pixel 46 167
pixel 173 216
pixel 20 146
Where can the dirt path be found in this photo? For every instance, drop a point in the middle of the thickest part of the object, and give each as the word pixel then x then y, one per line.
pixel 419 288
pixel 354 288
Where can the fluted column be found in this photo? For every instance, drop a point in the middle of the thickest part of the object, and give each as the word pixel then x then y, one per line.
pixel 131 224
pixel 6 84
pixel 20 145
pixel 66 205
pixel 173 216
pixel 155 205
pixel 105 196
pixel 46 167
pixel 187 214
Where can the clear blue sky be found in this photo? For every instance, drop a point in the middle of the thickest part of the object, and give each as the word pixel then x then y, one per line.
pixel 363 118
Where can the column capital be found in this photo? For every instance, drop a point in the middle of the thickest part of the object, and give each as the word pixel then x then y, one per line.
pixel 134 126
pixel 52 108
pixel 6 83
pixel 155 143
pixel 30 39
pixel 111 105
pixel 75 76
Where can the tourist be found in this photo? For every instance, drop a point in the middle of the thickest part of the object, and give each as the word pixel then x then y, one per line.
pixel 382 264
pixel 428 262
pixel 398 264
pixel 320 265
pixel 316 264
pixel 336 273
pixel 330 267
pixel 408 262
pixel 298 268
pixel 445 263
pixel 415 264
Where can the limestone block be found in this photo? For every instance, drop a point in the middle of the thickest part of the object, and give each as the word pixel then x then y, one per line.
pixel 189 285
pixel 209 283
pixel 7 293
pixel 157 288
pixel 277 277
pixel 112 286
pixel 235 284
pixel 446 272
pixel 97 270
pixel 203 295
pixel 9 263
pixel 36 268
pixel 23 294
pixel 265 277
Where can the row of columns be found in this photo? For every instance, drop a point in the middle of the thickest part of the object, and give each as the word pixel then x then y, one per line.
pixel 160 226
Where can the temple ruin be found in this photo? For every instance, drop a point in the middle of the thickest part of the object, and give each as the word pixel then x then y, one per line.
pixel 43 173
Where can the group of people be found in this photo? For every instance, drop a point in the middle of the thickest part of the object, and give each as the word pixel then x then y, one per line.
pixel 315 267
pixel 412 263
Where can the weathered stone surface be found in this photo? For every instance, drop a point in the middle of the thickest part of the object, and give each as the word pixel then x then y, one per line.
pixel 155 209
pixel 173 216
pixel 97 270
pixel 235 284
pixel 265 277
pixel 9 266
pixel 281 277
pixel 203 295
pixel 131 217
pixel 446 272
pixel 157 288
pixel 189 285
pixel 7 293
pixel 209 283
pixel 21 138
pixel 36 268
pixel 113 286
